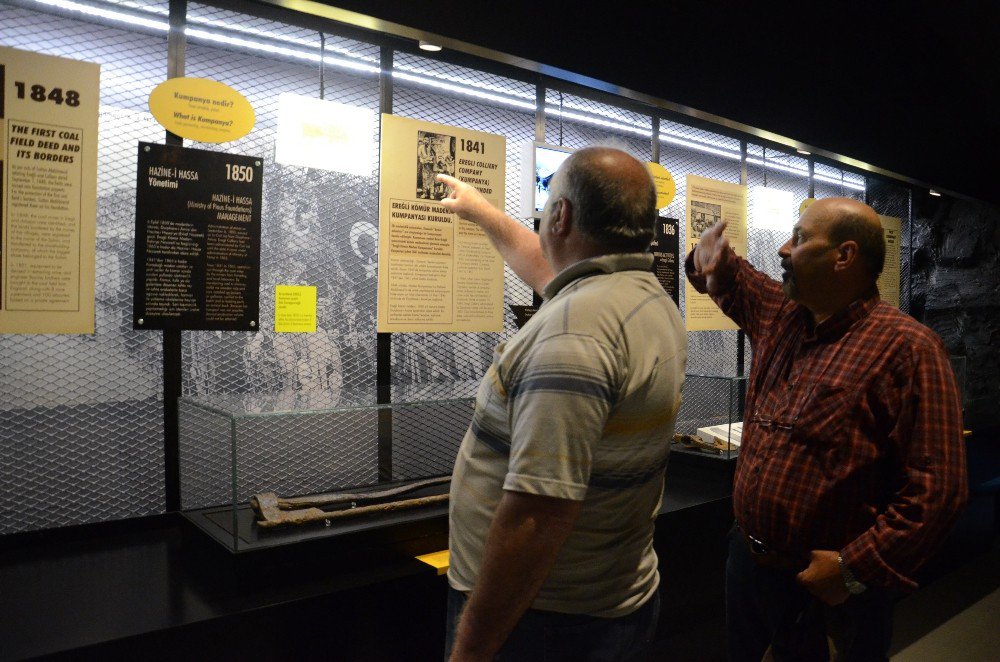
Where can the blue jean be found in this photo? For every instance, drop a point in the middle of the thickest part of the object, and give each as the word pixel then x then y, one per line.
pixel 548 636
pixel 765 607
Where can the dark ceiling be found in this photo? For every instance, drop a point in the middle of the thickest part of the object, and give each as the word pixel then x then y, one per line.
pixel 910 87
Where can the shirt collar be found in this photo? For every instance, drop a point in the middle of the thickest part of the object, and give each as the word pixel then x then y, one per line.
pixel 607 264
pixel 837 324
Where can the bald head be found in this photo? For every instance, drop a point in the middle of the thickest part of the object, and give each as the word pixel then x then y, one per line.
pixel 613 197
pixel 845 219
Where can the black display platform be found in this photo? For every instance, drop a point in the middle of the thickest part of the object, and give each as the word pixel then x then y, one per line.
pixel 162 588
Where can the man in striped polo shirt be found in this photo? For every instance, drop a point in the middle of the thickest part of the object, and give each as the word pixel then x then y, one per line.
pixel 559 478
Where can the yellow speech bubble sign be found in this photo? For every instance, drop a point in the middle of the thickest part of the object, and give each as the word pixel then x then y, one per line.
pixel 201 109
pixel 665 186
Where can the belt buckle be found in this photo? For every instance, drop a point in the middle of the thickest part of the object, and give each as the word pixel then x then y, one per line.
pixel 757 547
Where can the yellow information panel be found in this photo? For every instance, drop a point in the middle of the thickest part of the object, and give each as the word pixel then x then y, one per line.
pixel 666 188
pixel 708 202
pixel 201 109
pixel 436 272
pixel 888 281
pixel 48 195
pixel 295 309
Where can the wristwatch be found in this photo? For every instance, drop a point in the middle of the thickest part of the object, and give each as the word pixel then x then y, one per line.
pixel 851 582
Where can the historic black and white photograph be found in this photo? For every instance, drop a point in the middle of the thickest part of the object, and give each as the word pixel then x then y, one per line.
pixel 704 215
pixel 435 154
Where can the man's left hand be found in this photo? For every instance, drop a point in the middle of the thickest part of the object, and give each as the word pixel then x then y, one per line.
pixel 822 577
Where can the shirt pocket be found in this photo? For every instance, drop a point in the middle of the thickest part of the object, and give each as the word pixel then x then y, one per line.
pixel 821 422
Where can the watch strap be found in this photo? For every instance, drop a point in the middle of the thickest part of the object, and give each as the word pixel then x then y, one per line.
pixel 851 582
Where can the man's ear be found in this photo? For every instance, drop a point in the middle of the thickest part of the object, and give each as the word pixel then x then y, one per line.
pixel 847 254
pixel 562 217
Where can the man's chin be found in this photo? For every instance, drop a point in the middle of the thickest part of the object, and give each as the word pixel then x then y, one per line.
pixel 788 286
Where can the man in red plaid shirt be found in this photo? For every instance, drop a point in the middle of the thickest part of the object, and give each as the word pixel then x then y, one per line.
pixel 852 463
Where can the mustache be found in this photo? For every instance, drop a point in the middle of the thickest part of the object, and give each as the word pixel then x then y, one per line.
pixel 786 265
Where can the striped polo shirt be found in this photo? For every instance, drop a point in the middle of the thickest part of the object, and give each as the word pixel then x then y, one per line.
pixel 580 404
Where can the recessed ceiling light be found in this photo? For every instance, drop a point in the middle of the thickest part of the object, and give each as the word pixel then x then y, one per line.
pixel 934 193
pixel 803 152
pixel 428 46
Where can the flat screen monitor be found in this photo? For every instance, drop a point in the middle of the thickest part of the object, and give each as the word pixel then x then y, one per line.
pixel 540 164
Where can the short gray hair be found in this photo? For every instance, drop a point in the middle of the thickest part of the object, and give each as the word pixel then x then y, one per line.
pixel 609 206
pixel 869 237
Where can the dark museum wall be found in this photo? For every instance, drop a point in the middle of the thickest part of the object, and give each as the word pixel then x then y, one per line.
pixel 956 292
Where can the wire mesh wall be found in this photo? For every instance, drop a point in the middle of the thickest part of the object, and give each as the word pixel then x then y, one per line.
pixel 889 199
pixel 448 365
pixel 830 182
pixel 445 366
pixel 691 151
pixel 686 151
pixel 81 434
pixel 81 417
pixel 775 171
pixel 318 227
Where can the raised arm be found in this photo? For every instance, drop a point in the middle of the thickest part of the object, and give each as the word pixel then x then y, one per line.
pixel 749 297
pixel 517 244
pixel 711 260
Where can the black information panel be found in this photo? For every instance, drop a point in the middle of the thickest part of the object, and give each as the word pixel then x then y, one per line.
pixel 665 247
pixel 197 239
pixel 522 314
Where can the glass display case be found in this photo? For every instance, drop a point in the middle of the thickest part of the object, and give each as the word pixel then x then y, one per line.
pixel 709 422
pixel 232 449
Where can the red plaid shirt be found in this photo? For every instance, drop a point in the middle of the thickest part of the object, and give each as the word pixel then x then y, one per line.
pixel 852 436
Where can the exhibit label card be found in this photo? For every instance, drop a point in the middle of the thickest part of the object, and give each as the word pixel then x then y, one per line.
pixel 197 239
pixel 772 209
pixel 48 194
pixel 314 133
pixel 295 309
pixel 436 271
pixel 888 281
pixel 709 201
pixel 665 248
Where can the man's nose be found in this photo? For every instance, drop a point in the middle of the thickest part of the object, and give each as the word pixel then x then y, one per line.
pixel 786 249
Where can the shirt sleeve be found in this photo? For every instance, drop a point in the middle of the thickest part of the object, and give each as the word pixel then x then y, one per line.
pixel 752 300
pixel 933 481
pixel 559 399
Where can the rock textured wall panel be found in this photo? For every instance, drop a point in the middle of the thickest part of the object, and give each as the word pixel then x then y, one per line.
pixel 956 292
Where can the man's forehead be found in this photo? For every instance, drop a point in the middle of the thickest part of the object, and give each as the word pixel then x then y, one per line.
pixel 812 219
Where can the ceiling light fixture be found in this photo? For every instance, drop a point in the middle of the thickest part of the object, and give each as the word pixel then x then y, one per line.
pixel 428 46
pixel 934 193
pixel 803 152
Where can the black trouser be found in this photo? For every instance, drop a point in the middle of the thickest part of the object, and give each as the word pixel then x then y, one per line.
pixel 765 607
pixel 548 636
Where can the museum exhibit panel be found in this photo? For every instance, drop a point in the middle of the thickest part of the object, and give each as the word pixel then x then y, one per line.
pixel 153 414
